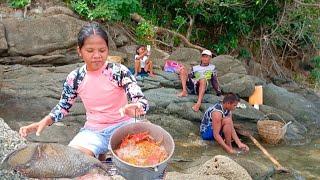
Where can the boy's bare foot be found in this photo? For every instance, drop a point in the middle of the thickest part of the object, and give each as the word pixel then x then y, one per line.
pixel 183 94
pixel 196 107
pixel 152 75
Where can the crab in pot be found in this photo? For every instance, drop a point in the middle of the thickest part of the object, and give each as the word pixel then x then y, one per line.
pixel 141 149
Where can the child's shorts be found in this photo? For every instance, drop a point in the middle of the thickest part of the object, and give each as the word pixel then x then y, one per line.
pixel 96 141
pixel 207 134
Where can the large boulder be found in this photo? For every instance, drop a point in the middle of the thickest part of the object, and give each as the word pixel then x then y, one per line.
pixel 300 108
pixel 186 56
pixel 243 85
pixel 228 64
pixel 32 92
pixel 39 36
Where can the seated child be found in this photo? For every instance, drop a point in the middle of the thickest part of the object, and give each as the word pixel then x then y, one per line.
pixel 142 62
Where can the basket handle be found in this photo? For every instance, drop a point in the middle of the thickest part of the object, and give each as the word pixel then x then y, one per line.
pixel 266 116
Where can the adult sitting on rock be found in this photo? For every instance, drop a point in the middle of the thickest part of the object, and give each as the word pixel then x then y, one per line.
pixel 217 122
pixel 196 81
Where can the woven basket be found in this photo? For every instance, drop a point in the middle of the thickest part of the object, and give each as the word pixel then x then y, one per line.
pixel 271 131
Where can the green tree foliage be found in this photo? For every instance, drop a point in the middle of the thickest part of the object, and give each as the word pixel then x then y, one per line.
pixel 105 9
pixel 145 32
pixel 222 24
pixel 19 3
pixel 289 29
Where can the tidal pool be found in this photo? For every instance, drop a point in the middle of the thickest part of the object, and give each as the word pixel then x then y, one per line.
pixel 302 161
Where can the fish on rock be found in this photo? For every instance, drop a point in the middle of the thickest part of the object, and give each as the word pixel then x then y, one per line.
pixel 50 160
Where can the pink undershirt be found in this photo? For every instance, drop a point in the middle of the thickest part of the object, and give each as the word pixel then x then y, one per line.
pixel 102 100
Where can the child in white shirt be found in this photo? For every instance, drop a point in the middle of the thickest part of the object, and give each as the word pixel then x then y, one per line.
pixel 142 62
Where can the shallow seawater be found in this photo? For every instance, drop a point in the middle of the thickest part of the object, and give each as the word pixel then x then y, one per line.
pixel 302 161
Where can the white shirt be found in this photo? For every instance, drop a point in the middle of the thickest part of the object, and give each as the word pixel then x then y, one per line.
pixel 142 61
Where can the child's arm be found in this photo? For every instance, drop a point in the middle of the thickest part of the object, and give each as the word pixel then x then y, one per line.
pixel 140 56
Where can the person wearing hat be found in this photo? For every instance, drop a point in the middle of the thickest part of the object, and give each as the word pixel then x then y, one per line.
pixel 196 82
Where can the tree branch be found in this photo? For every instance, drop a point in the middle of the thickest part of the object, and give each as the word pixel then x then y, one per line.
pixel 190 27
pixel 306 4
pixel 159 30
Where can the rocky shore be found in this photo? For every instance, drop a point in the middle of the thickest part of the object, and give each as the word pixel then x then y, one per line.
pixel 35 61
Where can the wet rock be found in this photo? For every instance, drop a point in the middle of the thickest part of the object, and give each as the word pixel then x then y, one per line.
pixel 177 127
pixel 176 175
pixel 296 132
pixel 300 108
pixel 256 169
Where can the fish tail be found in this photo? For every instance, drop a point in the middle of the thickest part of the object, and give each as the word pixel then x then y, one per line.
pixel 5 162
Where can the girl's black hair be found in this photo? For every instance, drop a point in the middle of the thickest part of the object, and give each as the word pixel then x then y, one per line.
pixel 139 46
pixel 231 98
pixel 89 29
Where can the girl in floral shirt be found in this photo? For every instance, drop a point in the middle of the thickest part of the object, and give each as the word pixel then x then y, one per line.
pixel 103 88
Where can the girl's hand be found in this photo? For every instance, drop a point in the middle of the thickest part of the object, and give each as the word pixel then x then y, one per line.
pixel 37 127
pixel 132 110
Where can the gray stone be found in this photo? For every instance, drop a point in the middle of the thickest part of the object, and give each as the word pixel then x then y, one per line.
pixel 300 108
pixel 256 169
pixel 228 64
pixel 184 110
pixel 185 56
pixel 54 10
pixel 296 133
pixel 162 97
pixel 121 40
pixel 56 32
pixel 3 41
pixel 243 86
pixel 176 175
pixel 177 127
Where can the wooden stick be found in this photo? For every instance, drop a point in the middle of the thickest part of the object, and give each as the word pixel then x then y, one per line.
pixel 240 130
pixel 279 167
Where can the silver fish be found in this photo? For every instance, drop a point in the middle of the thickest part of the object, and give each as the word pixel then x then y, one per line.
pixel 50 160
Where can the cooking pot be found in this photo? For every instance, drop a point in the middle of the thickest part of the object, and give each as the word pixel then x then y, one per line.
pixel 134 172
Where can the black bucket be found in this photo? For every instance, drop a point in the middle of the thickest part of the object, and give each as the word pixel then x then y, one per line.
pixel 133 172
